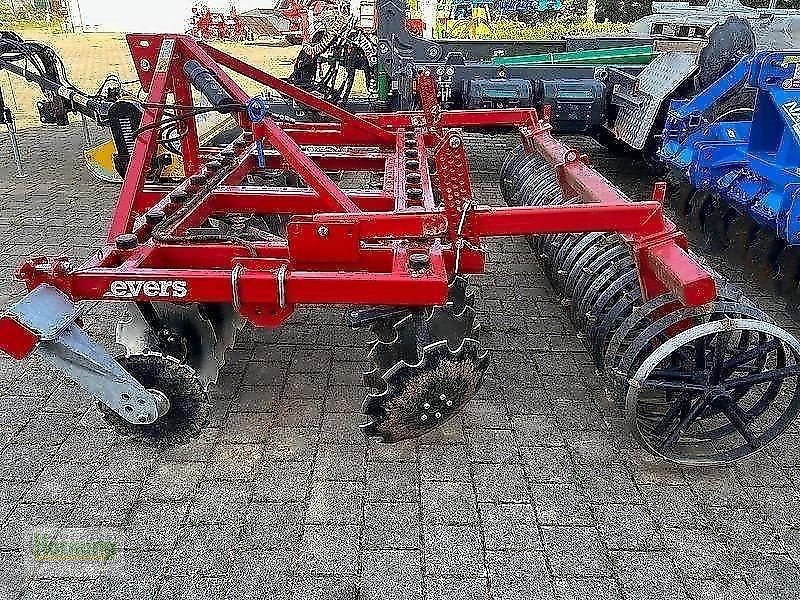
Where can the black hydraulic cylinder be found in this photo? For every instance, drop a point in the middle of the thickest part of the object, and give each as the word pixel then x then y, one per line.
pixel 204 82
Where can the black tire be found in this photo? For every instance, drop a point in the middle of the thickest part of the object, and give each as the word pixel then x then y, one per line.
pixel 728 43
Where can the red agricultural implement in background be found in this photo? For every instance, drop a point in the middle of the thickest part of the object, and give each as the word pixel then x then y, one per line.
pixel 300 17
pixel 260 227
pixel 294 20
pixel 206 24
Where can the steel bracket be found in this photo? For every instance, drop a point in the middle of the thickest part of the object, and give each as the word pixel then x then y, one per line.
pixel 53 319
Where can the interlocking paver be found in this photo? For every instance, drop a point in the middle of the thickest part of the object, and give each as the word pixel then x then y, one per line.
pixel 561 504
pixel 520 574
pixel 392 481
pixel 510 527
pixel 647 575
pixel 153 525
pixel 575 552
pixel 448 503
pixel 335 502
pixel 500 482
pixel 586 589
pixel 456 588
pixel 337 462
pixel 535 492
pixel 627 527
pixel 392 525
pixel 444 463
pixel 453 550
pixel 391 575
pixel 329 550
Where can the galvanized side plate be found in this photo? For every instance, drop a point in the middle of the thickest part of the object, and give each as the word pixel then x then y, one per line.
pixel 639 106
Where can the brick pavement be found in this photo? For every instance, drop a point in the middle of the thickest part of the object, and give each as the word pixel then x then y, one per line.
pixel 535 492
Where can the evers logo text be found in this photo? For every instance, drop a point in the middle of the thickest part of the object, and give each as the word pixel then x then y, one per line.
pixel 149 289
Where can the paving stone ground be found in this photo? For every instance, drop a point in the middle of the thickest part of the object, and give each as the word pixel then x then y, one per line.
pixel 534 493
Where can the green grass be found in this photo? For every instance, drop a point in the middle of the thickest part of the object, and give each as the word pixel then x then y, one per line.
pixel 547 30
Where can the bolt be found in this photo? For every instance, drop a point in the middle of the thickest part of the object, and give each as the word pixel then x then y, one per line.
pixel 426 406
pixel 423 418
pixel 442 397
pixel 154 216
pixel 126 241
pixel 438 415
pixel 455 142
pixel 449 403
pixel 414 193
pixel 178 197
pixel 419 261
pixel 323 231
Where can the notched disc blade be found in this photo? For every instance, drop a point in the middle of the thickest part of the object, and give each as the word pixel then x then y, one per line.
pixel 421 397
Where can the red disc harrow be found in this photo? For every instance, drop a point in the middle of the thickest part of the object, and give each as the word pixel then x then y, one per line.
pixel 261 226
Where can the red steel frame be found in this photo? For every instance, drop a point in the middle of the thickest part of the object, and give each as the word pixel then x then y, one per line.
pixel 342 246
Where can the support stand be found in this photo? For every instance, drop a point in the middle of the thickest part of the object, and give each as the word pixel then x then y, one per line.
pixel 7 119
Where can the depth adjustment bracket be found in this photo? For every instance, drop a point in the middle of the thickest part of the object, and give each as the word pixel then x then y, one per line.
pixel 46 321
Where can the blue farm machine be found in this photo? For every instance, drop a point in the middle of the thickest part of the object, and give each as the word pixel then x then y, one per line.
pixel 734 166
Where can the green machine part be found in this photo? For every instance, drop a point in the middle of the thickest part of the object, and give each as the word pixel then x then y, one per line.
pixel 383 84
pixel 625 55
